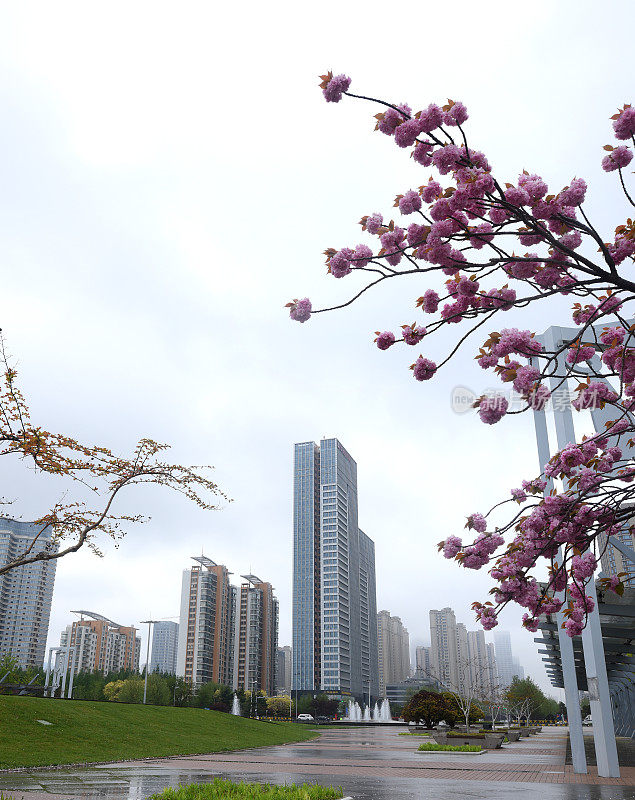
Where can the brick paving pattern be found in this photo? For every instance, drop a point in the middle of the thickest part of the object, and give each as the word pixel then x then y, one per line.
pixel 375 764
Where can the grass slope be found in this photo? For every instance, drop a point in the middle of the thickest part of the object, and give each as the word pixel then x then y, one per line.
pixel 85 731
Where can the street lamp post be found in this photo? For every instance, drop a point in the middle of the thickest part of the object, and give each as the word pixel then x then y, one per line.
pixel 150 623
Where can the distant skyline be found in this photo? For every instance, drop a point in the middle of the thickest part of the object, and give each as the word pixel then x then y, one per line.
pixel 160 205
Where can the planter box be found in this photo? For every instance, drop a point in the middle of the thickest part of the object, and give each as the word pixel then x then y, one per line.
pixel 491 741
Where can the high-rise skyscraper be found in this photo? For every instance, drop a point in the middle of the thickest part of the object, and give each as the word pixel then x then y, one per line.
pixel 284 668
pixel 482 664
pixel 165 643
pixel 334 596
pixel 227 634
pixel 100 644
pixel 393 644
pixel 506 664
pixel 423 662
pixel 255 647
pixel 494 680
pixel 207 624
pixel 26 593
pixel 443 647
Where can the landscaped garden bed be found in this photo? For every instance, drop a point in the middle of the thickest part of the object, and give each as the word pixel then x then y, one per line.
pixel 510 734
pixel 433 747
pixel 220 789
pixel 490 741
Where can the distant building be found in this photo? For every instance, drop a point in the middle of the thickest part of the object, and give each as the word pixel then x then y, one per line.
pixel 255 646
pixel 482 664
pixel 206 625
pixel 506 664
pixel 283 671
pixel 393 644
pixel 26 593
pixel 334 596
pixel 444 649
pixel 458 658
pixel 613 561
pixel 368 614
pixel 227 634
pixel 400 693
pixel 165 643
pixel 519 671
pixel 423 662
pixel 494 679
pixel 101 645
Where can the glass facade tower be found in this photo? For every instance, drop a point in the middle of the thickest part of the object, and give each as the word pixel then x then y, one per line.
pixel 334 605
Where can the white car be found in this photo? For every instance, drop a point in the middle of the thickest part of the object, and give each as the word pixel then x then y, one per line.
pixel 305 718
pixel 588 720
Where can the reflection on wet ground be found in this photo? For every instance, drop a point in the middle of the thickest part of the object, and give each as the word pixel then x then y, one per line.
pixel 371 765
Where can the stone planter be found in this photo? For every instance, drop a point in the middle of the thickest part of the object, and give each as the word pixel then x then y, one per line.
pixel 490 741
pixel 513 736
pixel 493 741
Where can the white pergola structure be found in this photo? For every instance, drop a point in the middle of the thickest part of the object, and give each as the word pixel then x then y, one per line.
pixel 594 658
pixel 60 671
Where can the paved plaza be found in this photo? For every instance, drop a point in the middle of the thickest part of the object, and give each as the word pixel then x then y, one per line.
pixel 373 763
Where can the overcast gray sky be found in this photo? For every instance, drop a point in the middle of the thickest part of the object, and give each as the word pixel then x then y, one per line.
pixel 170 178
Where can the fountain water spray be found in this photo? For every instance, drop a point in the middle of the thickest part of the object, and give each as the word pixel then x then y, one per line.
pixel 236 707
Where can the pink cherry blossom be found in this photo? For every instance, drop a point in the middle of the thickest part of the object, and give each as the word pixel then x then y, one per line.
pixel 624 125
pixel 385 340
pixel 300 311
pixel 413 334
pixel 492 409
pixel 424 369
pixel 619 157
pixel 335 88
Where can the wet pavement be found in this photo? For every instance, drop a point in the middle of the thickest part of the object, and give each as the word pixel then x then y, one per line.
pixel 372 765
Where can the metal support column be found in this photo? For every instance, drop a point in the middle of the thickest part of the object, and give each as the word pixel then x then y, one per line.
pixel 594 661
pixel 599 693
pixel 571 695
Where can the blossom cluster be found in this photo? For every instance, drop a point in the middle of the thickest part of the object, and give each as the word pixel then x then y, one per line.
pixel 497 246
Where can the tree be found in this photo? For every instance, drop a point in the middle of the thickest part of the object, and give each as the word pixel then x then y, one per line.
pixel 72 522
pixel 279 706
pixel 13 675
pixel 112 690
pixel 182 692
pixel 216 696
pixel 427 707
pixel 463 688
pixel 525 698
pixel 473 235
pixel 321 706
pixel 158 693
pixel 131 691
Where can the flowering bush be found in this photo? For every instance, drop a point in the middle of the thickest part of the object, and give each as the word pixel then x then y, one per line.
pixel 467 236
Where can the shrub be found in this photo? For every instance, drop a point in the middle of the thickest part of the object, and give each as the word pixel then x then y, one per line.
pixel 220 789
pixel 452 748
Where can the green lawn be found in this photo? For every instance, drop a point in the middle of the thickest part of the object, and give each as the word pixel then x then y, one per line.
pixel 83 731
